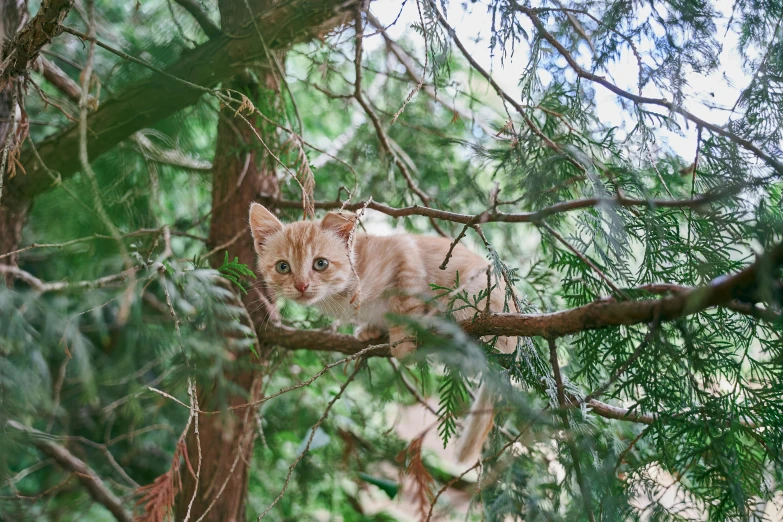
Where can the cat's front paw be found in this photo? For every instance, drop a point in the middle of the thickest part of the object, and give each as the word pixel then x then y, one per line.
pixel 366 333
pixel 402 344
pixel 402 349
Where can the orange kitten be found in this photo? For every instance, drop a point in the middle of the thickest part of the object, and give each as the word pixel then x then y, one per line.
pixel 310 262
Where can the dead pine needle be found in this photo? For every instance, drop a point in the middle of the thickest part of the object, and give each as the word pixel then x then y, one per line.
pixel 412 466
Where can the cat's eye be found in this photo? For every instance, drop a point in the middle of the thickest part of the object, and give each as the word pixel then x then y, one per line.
pixel 320 264
pixel 282 267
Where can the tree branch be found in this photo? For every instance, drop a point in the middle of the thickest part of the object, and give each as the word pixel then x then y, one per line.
pixel 71 89
pixel 522 217
pixel 322 340
pixel 173 157
pixel 58 78
pixel 41 286
pixel 99 492
pixel 747 284
pixel 599 314
pixel 160 96
pixel 637 99
pixel 209 27
pixel 561 399
pixel 23 49
pixel 410 70
pixel 383 138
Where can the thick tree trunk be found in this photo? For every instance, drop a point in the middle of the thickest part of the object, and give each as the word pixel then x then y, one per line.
pixel 13 215
pixel 241 170
pixel 13 212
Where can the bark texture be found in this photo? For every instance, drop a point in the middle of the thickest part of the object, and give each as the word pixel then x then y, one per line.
pixel 13 212
pixel 22 50
pixel 241 170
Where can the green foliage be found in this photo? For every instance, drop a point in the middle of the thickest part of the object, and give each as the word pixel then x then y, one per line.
pixel 234 271
pixel 453 397
pixel 79 363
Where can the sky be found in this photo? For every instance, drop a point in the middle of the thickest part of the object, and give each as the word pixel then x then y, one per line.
pixel 472 23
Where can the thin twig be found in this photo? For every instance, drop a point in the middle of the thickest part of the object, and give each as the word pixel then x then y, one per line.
pixel 454 244
pixel 662 102
pixel 522 217
pixel 586 260
pixel 627 364
pixel 43 287
pixel 125 56
pixel 561 399
pixel 89 479
pixel 135 233
pixel 383 138
pixel 315 427
pixel 424 72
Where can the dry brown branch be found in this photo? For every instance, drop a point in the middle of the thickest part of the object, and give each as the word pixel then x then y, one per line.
pixel 94 485
pixel 586 260
pixel 699 201
pixel 24 47
pixel 158 498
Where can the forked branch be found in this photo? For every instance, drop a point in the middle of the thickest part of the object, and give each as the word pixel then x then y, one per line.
pixel 94 485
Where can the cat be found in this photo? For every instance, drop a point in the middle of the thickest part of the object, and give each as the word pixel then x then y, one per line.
pixel 360 278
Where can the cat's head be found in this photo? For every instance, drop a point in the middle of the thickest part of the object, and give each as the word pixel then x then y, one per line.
pixel 306 261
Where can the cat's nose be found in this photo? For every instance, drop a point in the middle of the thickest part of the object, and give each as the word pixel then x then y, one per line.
pixel 301 286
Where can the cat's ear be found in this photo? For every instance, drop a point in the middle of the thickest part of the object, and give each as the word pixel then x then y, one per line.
pixel 262 223
pixel 342 223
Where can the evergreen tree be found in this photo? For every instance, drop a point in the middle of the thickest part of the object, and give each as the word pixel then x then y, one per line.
pixel 145 373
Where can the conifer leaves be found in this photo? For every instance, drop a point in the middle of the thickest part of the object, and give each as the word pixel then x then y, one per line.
pixel 235 271
pixel 453 399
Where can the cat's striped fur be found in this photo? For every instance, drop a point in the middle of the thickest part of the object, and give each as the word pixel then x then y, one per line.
pixel 377 275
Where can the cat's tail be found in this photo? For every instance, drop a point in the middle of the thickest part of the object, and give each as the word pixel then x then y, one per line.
pixel 478 424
